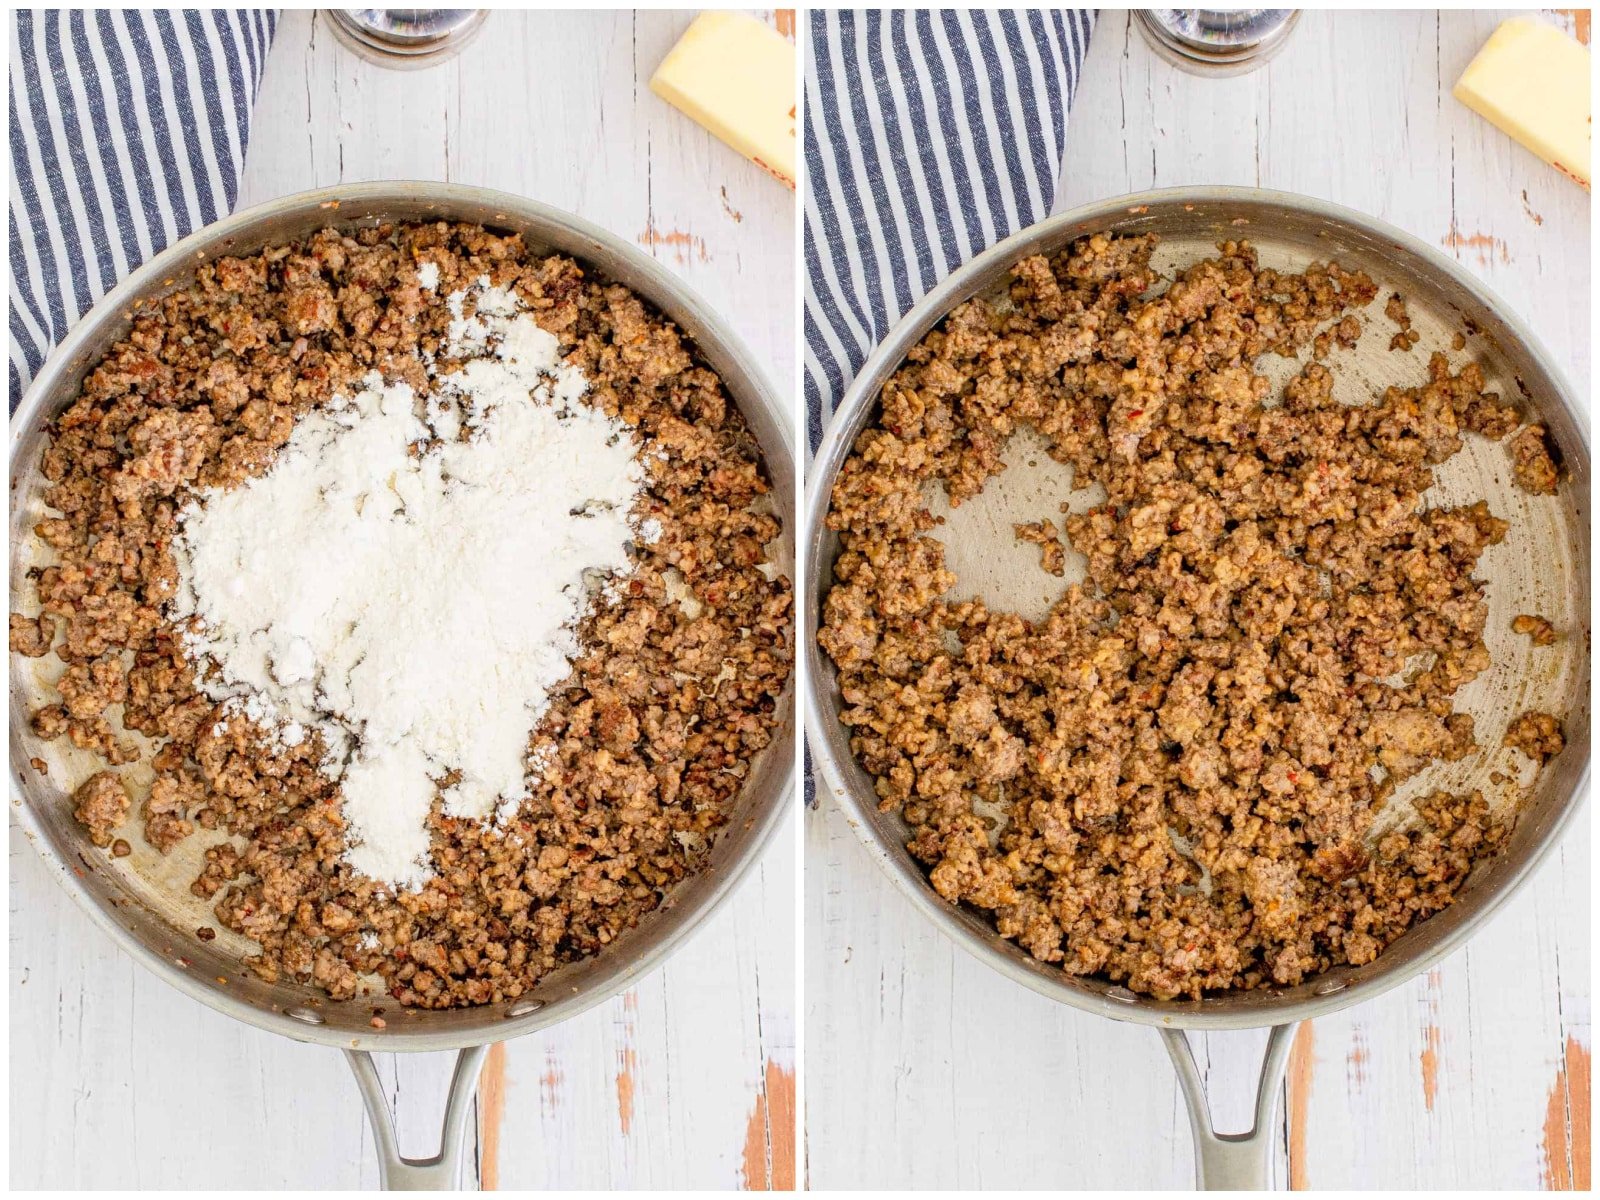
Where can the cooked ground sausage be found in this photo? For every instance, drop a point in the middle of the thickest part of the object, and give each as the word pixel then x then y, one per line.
pixel 1536 734
pixel 1532 464
pixel 1539 631
pixel 1052 554
pixel 1188 752
pixel 647 743
pixel 101 804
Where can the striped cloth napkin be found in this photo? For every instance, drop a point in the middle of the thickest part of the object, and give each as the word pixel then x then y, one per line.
pixel 128 132
pixel 929 136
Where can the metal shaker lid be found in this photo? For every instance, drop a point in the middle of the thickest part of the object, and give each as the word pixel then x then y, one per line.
pixel 1216 41
pixel 404 37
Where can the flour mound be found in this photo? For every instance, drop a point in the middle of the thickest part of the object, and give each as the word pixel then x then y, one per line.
pixel 407 578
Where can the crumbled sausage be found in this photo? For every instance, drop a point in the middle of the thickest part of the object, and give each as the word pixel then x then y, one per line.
pixel 1190 749
pixel 1053 554
pixel 646 744
pixel 1395 310
pixel 31 636
pixel 1532 465
pixel 101 804
pixel 1539 631
pixel 1536 734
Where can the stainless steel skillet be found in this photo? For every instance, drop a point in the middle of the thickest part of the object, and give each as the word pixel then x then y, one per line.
pixel 1542 567
pixel 143 901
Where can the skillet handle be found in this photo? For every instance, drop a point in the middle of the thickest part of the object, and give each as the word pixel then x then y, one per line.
pixel 442 1172
pixel 1231 1161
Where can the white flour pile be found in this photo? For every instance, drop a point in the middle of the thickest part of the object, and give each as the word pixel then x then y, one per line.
pixel 416 609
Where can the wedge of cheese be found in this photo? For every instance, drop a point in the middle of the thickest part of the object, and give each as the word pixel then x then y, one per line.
pixel 1532 80
pixel 736 77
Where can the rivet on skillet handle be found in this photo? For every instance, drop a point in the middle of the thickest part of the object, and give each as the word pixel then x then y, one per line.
pixel 442 1172
pixel 1231 1162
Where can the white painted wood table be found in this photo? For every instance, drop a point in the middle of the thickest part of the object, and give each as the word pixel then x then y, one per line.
pixel 688 1079
pixel 922 1067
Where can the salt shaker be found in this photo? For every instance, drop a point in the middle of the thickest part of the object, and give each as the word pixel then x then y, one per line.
pixel 1212 41
pixel 406 37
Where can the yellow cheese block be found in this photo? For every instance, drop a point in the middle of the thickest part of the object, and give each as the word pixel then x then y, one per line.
pixel 736 77
pixel 1532 80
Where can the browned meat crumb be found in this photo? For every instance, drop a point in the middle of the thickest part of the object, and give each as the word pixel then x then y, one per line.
pixel 1346 333
pixel 1395 310
pixel 1540 631
pixel 101 804
pixel 1044 534
pixel 1190 749
pixel 31 636
pixel 1459 341
pixel 1532 465
pixel 1536 734
pixel 649 740
pixel 121 848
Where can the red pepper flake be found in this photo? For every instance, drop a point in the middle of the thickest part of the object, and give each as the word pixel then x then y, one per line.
pixel 1293 778
pixel 1136 412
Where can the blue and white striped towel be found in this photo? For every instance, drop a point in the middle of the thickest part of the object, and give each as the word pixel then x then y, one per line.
pixel 128 132
pixel 929 136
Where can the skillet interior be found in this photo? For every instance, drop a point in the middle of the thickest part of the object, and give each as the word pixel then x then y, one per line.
pixel 143 900
pixel 1542 567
